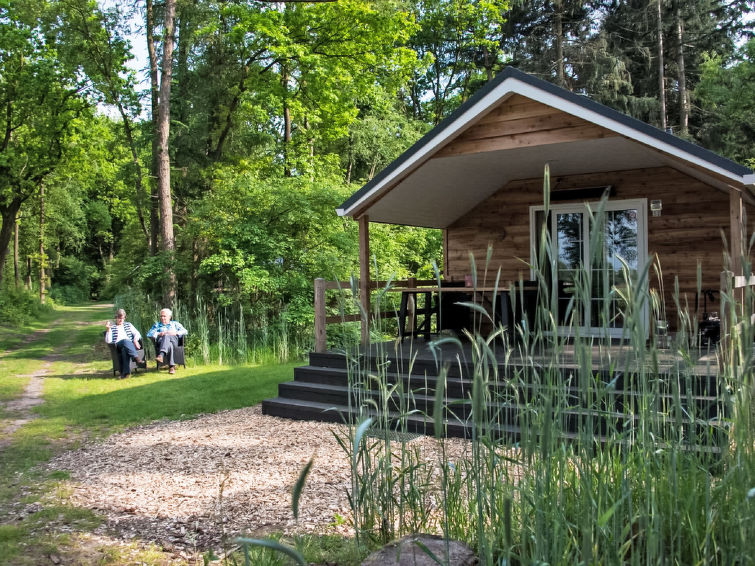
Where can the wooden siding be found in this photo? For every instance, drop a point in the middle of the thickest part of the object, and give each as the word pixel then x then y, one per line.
pixel 521 122
pixel 689 230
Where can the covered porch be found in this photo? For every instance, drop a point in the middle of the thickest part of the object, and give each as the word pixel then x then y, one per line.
pixel 523 162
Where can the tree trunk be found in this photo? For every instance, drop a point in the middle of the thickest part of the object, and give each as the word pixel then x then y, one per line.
pixel 683 95
pixel 28 273
pixel 15 252
pixel 8 213
pixel 661 76
pixel 154 201
pixel 286 124
pixel 163 169
pixel 558 29
pixel 42 243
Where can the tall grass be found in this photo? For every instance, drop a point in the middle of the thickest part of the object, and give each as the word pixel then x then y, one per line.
pixel 222 334
pixel 610 461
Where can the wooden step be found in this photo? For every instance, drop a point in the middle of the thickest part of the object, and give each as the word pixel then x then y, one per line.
pixel 687 410
pixel 702 406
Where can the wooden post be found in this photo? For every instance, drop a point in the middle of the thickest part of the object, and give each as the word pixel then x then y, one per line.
pixel 445 253
pixel 725 314
pixel 411 307
pixel 737 231
pixel 321 340
pixel 364 275
pixel 736 217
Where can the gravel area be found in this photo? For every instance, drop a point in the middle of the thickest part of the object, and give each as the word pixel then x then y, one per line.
pixel 188 485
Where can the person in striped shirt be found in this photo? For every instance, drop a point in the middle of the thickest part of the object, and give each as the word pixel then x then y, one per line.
pixel 126 338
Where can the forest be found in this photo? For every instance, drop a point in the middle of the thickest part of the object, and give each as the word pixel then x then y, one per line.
pixel 207 175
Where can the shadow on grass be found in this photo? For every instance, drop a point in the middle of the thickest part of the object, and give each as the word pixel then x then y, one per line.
pixel 151 396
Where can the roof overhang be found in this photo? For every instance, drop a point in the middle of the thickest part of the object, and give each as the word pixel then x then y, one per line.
pixel 420 189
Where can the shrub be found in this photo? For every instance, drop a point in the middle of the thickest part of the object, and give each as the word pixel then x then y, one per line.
pixel 19 305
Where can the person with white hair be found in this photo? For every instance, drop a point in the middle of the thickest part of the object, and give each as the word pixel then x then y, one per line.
pixel 165 333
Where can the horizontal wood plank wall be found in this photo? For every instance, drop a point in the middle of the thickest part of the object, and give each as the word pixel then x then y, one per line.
pixel 688 230
pixel 521 122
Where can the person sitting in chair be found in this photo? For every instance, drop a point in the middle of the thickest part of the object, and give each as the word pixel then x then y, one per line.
pixel 126 339
pixel 166 333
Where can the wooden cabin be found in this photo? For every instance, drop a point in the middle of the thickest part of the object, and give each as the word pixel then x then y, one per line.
pixel 478 176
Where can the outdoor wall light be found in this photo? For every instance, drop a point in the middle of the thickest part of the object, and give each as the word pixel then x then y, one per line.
pixel 655 207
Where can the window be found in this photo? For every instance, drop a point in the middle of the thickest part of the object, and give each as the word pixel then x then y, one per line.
pixel 622 243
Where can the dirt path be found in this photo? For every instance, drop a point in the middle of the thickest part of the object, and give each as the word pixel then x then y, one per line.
pixel 20 409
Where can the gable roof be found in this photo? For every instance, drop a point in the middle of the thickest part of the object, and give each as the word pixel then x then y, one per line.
pixel 447 187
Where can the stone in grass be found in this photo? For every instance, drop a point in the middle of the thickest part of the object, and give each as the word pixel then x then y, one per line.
pixel 406 552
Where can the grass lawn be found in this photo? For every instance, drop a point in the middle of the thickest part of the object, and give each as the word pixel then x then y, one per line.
pixel 82 401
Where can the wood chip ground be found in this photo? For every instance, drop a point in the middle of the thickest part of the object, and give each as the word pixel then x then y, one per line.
pixel 195 484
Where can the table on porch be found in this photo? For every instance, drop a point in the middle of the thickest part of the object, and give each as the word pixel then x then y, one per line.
pixel 447 304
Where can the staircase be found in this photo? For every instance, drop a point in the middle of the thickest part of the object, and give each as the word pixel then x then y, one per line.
pixel 690 411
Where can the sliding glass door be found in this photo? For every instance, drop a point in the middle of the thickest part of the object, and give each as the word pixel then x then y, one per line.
pixel 594 261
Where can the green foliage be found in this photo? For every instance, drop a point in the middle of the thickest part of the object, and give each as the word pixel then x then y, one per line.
pixel 315 549
pixel 73 281
pixel 461 44
pixel 267 240
pixel 43 99
pixel 727 99
pixel 381 131
pixel 18 305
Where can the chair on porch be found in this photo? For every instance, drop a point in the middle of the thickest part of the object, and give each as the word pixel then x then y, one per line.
pixel 525 297
pixel 420 317
pixel 453 315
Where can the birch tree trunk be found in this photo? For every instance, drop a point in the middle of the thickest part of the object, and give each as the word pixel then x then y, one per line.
pixel 286 124
pixel 163 155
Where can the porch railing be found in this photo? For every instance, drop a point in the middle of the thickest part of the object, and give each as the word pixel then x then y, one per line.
pixel 732 286
pixel 322 320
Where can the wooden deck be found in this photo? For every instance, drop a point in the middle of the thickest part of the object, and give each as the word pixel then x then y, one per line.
pixel 602 356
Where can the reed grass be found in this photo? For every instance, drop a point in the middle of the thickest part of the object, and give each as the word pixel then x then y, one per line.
pixel 611 462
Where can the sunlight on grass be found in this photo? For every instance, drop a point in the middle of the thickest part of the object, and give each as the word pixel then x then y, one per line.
pixel 11 387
